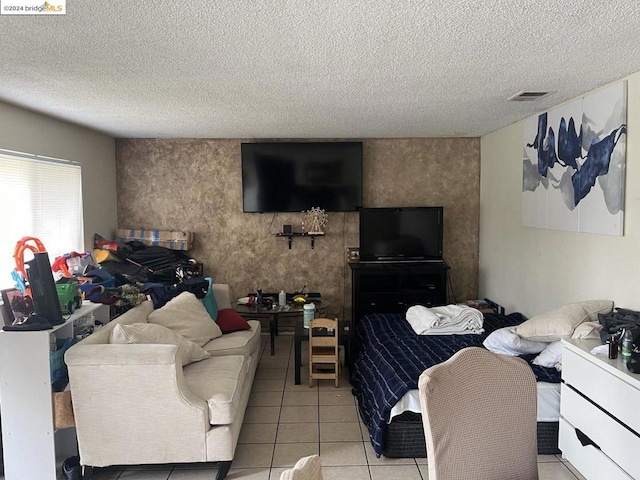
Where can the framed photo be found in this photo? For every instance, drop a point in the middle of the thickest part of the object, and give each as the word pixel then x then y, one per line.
pixel 353 254
pixel 16 305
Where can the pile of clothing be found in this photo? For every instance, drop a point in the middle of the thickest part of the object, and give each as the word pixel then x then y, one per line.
pixel 445 320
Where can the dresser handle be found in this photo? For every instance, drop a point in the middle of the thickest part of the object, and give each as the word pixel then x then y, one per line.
pixel 584 440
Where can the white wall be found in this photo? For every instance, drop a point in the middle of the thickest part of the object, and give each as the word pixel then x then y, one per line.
pixel 30 132
pixel 533 270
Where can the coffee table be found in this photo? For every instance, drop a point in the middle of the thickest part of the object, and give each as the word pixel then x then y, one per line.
pixel 302 335
pixel 273 314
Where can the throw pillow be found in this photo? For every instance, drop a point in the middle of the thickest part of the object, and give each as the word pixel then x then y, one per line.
pixel 561 322
pixel 209 301
pixel 186 316
pixel 506 342
pixel 587 330
pixel 145 333
pixel 230 321
pixel 550 357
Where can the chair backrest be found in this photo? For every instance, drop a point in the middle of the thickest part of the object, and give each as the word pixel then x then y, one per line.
pixel 323 350
pixel 307 468
pixel 479 416
pixel 323 340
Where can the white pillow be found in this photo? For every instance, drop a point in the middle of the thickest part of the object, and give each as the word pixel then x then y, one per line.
pixel 505 342
pixel 152 333
pixel 561 322
pixel 587 330
pixel 186 316
pixel 550 357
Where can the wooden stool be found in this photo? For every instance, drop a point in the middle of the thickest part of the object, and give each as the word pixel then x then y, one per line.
pixel 324 357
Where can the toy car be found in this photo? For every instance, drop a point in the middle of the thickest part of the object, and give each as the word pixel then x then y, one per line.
pixel 68 296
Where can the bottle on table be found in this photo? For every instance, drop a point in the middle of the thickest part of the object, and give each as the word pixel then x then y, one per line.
pixel 282 298
pixel 309 313
pixel 626 346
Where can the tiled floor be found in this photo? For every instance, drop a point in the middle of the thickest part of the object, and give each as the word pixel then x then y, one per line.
pixel 285 422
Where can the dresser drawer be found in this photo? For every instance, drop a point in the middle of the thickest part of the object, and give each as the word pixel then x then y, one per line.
pixel 617 397
pixel 615 440
pixel 591 462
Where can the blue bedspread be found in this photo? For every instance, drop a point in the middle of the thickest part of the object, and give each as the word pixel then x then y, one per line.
pixel 391 357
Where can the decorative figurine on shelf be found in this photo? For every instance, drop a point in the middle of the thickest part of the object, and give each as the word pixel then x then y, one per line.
pixel 316 220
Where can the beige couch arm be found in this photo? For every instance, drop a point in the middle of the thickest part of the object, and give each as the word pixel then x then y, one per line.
pixel 138 390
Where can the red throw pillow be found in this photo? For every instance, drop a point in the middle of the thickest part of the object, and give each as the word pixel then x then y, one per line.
pixel 230 321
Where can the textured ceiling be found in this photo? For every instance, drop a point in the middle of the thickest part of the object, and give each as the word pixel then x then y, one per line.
pixel 324 68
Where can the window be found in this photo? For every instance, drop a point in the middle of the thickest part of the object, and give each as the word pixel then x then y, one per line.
pixel 41 197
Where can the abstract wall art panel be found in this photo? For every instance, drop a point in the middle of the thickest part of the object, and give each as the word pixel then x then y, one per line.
pixel 573 166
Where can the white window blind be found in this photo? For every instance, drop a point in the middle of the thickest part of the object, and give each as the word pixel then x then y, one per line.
pixel 41 197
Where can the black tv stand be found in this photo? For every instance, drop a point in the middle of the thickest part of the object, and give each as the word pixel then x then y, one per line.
pixel 392 286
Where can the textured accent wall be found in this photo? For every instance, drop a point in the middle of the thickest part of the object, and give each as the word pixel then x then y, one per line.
pixel 196 184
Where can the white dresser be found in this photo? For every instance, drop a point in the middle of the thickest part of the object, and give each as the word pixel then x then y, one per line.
pixel 599 414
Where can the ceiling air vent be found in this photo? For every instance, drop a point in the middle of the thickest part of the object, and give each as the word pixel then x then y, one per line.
pixel 527 96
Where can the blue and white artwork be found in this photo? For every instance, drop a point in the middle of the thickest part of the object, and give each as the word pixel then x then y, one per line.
pixel 574 164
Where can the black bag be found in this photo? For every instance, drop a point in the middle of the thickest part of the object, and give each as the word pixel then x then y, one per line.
pixel 615 322
pixel 196 285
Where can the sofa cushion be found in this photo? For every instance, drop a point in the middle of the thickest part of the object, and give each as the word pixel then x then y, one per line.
pixel 145 333
pixel 186 316
pixel 137 314
pixel 230 321
pixel 244 342
pixel 219 381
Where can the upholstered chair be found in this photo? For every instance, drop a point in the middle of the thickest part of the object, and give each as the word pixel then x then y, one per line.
pixel 479 416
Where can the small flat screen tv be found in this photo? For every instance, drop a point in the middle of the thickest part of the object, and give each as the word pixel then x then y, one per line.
pixel 293 177
pixel 400 234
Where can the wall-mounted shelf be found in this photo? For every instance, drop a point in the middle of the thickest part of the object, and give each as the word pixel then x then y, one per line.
pixel 300 234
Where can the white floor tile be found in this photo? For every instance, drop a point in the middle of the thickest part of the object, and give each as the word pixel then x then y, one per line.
pixel 297 433
pixel 287 454
pixel 265 399
pixel 336 397
pixel 302 398
pixel 258 433
pixel 547 458
pixel 359 472
pixel 246 474
pixel 342 453
pixel 573 470
pixel 340 432
pixel 338 413
pixel 262 415
pixel 299 414
pixel 554 471
pixel 396 472
pixel 253 455
pixel 271 373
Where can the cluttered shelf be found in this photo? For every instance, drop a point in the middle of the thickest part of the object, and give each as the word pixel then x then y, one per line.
pixel 291 235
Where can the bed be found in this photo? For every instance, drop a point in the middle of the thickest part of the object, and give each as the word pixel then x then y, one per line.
pixel 390 358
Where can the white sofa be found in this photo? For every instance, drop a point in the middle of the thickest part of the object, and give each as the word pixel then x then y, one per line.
pixel 133 404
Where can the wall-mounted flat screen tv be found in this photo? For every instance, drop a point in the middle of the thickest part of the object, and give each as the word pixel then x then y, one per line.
pixel 407 233
pixel 295 176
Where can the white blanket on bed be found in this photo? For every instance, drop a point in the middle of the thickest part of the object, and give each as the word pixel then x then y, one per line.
pixel 445 320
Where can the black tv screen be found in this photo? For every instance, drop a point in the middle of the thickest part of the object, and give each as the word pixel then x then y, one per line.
pixel 294 177
pixel 408 233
